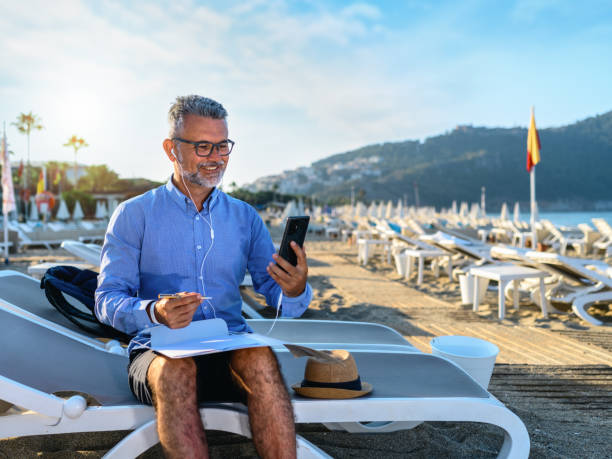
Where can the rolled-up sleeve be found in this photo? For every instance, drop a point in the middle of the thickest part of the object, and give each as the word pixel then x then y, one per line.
pixel 260 254
pixel 117 301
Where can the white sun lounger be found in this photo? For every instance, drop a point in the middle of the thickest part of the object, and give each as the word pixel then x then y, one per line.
pixel 91 253
pixel 597 287
pixel 37 362
pixel 22 295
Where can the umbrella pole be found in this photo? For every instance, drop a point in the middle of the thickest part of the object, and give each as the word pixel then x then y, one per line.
pixel 6 249
pixel 534 233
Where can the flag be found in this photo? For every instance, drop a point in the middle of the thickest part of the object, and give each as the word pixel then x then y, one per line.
pixel 40 187
pixel 58 177
pixel 533 144
pixel 8 194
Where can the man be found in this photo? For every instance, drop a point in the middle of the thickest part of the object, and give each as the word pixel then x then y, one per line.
pixel 189 237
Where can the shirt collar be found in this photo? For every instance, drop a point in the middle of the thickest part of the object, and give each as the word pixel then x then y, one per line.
pixel 184 201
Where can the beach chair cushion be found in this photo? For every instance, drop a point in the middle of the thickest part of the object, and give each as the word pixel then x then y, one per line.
pixel 80 284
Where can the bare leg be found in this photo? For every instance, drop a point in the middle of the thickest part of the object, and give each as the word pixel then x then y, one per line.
pixel 270 411
pixel 173 382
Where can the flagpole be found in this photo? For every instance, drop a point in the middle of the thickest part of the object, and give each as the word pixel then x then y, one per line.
pixel 534 232
pixel 5 164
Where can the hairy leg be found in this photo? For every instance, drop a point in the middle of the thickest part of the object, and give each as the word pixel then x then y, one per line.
pixel 173 383
pixel 270 411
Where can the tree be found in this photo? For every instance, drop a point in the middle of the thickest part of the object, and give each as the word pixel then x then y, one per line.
pixel 99 178
pixel 76 143
pixel 25 123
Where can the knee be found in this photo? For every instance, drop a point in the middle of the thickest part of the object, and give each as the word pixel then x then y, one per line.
pixel 255 362
pixel 164 374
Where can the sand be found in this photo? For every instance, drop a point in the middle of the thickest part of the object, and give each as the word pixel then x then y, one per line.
pixel 558 384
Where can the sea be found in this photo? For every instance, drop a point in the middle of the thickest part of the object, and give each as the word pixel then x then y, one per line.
pixel 564 218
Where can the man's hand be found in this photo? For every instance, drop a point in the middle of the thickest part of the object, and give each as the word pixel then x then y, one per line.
pixel 177 312
pixel 293 279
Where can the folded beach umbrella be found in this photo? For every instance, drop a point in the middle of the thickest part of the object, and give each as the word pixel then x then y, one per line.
pixel 290 210
pixel 62 212
pixel 381 210
pixel 504 212
pixel 517 212
pixel 77 213
pixel 454 207
pixel 33 210
pixel 399 210
pixel 113 205
pixel 361 210
pixel 372 210
pixel 463 209
pixel 300 207
pixel 389 210
pixel 103 210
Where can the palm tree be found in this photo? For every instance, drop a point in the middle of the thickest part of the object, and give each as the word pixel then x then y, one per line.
pixel 76 143
pixel 25 123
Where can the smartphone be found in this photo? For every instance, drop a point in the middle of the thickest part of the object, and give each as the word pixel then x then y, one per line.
pixel 295 230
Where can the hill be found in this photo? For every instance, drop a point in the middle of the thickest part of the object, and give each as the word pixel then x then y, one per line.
pixel 574 173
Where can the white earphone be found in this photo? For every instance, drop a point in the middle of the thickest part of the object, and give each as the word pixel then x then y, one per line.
pixel 209 223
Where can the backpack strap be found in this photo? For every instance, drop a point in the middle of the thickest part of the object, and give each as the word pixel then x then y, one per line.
pixel 80 284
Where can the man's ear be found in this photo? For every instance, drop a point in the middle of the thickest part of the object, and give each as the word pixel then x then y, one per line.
pixel 168 146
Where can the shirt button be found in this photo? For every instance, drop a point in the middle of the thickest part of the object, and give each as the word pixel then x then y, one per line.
pixel 201 278
pixel 199 247
pixel 197 218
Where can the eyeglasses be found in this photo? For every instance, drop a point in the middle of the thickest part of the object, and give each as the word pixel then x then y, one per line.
pixel 205 148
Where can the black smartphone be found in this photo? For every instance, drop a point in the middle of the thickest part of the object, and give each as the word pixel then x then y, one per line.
pixel 295 230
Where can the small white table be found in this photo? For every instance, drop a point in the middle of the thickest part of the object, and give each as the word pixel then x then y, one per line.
pixel 421 254
pixel 363 249
pixel 504 274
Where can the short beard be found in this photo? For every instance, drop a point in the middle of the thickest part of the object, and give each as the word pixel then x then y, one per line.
pixel 209 182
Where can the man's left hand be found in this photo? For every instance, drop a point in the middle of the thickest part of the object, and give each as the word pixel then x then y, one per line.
pixel 293 279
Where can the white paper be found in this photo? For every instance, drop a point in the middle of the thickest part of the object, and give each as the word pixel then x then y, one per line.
pixel 204 337
pixel 162 336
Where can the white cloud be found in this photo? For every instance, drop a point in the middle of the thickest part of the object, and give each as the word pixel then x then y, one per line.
pixel 299 84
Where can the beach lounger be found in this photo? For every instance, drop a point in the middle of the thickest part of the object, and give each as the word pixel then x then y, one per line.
pixel 578 282
pixel 22 295
pixel 91 253
pixel 594 286
pixel 37 363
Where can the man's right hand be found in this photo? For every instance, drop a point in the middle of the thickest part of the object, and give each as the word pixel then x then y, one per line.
pixel 177 312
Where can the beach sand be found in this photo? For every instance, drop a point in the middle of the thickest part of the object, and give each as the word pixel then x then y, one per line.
pixel 554 373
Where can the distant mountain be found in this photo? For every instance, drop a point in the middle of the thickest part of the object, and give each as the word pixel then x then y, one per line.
pixel 575 172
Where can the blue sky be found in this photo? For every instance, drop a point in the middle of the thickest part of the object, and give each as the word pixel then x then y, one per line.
pixel 301 80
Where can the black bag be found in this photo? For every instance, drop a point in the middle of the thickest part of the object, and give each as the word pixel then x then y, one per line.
pixel 80 284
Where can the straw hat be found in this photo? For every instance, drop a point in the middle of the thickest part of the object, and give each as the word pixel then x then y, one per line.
pixel 336 377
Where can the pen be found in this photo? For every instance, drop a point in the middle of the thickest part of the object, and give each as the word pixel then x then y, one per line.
pixel 161 296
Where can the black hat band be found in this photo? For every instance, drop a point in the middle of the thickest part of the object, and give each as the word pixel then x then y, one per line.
pixel 349 385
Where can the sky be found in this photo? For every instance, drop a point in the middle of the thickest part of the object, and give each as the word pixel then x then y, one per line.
pixel 301 80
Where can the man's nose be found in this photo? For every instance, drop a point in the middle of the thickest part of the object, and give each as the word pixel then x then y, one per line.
pixel 215 153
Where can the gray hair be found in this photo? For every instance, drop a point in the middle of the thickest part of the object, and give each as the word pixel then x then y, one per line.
pixel 193 105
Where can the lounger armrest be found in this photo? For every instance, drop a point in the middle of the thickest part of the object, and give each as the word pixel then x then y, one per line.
pixel 27 397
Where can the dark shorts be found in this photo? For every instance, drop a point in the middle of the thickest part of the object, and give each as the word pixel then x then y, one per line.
pixel 213 377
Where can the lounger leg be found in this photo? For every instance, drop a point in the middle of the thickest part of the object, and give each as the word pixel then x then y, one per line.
pixel 543 300
pixel 515 293
pixel 421 268
pixel 502 299
pixel 372 427
pixel 580 304
pixel 450 268
pixel 408 267
pixel 226 420
pixel 475 294
pixel 436 267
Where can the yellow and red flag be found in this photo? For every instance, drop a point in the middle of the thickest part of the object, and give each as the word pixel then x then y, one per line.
pixel 533 144
pixel 40 187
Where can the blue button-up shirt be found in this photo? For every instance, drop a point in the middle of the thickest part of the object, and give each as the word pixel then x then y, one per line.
pixel 158 243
